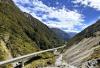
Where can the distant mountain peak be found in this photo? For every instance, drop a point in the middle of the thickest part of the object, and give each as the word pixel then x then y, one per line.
pixel 62 34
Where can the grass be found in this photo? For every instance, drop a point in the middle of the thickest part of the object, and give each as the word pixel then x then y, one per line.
pixel 40 63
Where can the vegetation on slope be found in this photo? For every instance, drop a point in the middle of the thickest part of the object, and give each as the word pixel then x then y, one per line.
pixel 21 33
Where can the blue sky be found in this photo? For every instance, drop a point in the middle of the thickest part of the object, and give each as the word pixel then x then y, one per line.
pixel 68 15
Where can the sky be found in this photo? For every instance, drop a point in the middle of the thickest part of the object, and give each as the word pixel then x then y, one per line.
pixel 67 15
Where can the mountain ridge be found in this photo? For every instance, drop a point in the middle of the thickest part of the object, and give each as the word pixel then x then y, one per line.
pixel 61 34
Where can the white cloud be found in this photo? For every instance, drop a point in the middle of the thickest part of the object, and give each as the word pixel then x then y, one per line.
pixel 91 3
pixel 67 18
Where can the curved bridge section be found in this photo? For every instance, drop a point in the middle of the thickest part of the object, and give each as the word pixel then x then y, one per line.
pixel 23 59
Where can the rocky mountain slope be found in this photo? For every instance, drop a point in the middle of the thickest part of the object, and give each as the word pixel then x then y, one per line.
pixel 21 34
pixel 84 47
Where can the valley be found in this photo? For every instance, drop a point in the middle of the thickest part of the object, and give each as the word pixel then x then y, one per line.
pixel 27 41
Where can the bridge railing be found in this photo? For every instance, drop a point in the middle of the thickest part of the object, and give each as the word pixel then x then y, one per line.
pixel 23 58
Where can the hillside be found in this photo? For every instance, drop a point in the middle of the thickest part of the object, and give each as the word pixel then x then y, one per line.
pixel 21 34
pixel 84 47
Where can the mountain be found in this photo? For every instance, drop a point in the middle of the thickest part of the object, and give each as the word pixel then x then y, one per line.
pixel 21 34
pixel 83 48
pixel 72 34
pixel 62 34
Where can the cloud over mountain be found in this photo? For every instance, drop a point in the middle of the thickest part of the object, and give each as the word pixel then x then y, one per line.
pixel 67 17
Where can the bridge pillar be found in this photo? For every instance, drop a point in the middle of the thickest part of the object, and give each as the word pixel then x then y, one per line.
pixel 22 64
pixel 54 51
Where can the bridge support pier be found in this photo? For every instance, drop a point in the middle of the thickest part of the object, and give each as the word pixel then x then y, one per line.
pixel 55 51
pixel 22 64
